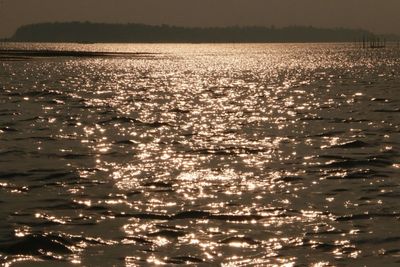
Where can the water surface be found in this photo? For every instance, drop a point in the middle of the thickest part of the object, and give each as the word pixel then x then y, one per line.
pixel 233 155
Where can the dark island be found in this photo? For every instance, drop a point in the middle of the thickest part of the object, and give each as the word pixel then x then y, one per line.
pixel 86 32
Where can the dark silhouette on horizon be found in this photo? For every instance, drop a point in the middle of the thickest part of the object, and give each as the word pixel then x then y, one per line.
pixel 135 33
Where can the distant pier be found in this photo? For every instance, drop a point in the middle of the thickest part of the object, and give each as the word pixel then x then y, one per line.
pixel 372 42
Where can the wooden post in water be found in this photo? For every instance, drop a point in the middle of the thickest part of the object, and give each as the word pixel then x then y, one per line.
pixel 363 45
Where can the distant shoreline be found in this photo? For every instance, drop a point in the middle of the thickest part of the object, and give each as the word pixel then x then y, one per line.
pixel 15 55
pixel 88 33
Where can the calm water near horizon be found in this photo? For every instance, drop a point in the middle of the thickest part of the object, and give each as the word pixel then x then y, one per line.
pixel 200 154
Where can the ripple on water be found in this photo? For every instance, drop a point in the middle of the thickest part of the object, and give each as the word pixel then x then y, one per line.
pixel 230 155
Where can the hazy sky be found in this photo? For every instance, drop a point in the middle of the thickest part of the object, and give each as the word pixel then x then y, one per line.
pixel 381 16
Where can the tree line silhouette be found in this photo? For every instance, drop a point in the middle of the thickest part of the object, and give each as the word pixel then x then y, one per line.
pixel 134 33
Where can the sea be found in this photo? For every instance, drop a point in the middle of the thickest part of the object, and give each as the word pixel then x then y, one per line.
pixel 199 155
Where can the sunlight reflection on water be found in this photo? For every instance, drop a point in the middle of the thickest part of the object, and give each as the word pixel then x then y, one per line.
pixel 232 155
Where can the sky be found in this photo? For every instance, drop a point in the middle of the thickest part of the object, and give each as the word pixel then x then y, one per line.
pixel 379 16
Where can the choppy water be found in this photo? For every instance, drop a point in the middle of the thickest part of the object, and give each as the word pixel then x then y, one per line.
pixel 234 155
